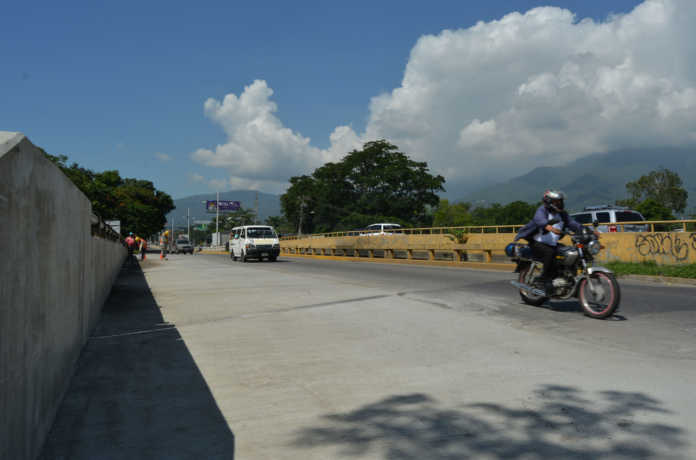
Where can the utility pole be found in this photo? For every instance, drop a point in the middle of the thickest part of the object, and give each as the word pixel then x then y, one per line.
pixel 217 218
pixel 188 223
pixel 299 226
pixel 256 208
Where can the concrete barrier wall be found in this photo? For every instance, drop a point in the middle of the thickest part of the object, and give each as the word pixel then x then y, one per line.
pixel 668 248
pixel 54 279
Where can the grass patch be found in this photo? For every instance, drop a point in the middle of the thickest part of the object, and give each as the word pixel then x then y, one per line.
pixel 653 269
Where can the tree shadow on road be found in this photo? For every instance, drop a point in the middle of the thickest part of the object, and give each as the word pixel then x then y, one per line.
pixel 137 392
pixel 557 422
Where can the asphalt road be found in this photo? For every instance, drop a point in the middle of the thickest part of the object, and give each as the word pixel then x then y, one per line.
pixel 203 357
pixel 654 318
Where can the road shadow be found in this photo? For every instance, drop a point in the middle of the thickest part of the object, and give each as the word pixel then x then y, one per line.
pixel 573 306
pixel 557 422
pixel 137 392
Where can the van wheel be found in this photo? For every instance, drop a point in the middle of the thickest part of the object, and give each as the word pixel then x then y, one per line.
pixel 272 259
pixel 243 258
pixel 232 255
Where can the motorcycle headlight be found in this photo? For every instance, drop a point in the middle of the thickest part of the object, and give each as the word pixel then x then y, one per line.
pixel 594 247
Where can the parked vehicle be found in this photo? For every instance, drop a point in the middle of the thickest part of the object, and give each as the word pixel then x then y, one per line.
pixel 255 242
pixel 608 216
pixel 573 276
pixel 380 229
pixel 183 245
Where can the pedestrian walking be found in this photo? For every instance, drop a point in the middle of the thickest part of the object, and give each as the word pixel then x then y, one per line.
pixel 130 245
pixel 164 244
pixel 142 246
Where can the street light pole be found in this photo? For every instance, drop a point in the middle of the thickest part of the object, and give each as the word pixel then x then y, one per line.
pixel 217 218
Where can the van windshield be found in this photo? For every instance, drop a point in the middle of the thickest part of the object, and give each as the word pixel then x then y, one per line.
pixel 585 218
pixel 260 232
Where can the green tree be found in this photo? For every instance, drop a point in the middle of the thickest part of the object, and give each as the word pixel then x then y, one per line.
pixel 452 215
pixel 652 210
pixel 662 186
pixel 377 183
pixel 281 224
pixel 140 207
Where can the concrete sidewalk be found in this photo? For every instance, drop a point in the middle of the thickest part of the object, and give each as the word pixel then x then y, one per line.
pixel 295 360
pixel 137 393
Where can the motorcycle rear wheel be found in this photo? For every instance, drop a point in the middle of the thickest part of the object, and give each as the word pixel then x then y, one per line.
pixel 529 299
pixel 601 304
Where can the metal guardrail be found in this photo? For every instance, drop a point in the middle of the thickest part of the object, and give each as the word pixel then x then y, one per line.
pixel 102 229
pixel 660 225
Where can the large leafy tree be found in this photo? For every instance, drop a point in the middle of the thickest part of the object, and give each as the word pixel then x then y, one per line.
pixel 140 207
pixel 661 190
pixel 376 183
pixel 461 214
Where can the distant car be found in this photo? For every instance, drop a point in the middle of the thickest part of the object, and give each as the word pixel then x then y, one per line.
pixel 380 229
pixel 183 246
pixel 608 216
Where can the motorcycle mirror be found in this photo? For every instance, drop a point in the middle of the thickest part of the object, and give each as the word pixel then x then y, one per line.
pixel 595 223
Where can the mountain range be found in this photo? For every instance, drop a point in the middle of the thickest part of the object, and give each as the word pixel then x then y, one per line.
pixel 594 179
pixel 269 205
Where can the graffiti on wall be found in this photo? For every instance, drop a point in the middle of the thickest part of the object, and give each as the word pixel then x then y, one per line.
pixel 676 245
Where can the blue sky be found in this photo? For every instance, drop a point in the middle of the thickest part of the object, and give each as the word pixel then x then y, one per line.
pixel 113 84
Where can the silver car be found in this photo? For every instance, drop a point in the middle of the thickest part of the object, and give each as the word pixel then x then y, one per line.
pixel 608 216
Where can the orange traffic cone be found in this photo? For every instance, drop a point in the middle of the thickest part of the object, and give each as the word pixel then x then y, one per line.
pixel 161 255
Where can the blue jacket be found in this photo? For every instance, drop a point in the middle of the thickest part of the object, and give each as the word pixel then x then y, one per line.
pixel 541 220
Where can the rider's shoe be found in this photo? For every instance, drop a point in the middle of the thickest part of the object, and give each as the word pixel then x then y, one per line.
pixel 548 288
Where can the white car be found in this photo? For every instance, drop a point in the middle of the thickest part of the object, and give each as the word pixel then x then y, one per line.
pixel 380 229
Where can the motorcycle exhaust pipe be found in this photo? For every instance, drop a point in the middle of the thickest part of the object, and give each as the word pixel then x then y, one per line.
pixel 528 289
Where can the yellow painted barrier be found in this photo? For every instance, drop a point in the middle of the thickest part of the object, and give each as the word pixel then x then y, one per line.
pixel 668 248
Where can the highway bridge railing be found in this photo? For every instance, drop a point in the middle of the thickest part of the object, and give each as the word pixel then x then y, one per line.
pixel 666 242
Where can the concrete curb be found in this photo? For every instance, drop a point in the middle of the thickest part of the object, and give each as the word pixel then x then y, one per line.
pixel 667 280
pixel 441 263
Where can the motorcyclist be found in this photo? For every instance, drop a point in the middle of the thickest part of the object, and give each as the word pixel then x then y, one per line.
pixel 545 229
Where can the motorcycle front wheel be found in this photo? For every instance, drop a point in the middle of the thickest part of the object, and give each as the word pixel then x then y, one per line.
pixel 527 298
pixel 599 295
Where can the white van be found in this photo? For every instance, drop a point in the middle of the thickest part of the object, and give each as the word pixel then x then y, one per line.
pixel 255 242
pixel 386 228
pixel 609 215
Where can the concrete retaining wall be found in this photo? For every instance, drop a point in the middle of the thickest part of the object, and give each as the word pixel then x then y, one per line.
pixel 54 279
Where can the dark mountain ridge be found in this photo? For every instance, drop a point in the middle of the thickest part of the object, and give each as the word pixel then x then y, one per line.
pixel 598 178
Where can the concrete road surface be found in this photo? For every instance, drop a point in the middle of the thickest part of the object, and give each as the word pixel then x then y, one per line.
pixel 203 357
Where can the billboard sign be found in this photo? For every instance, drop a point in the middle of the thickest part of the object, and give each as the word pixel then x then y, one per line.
pixel 211 206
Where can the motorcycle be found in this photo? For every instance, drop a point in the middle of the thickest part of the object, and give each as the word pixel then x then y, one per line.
pixel 574 275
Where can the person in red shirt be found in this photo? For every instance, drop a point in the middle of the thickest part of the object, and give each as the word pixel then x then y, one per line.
pixel 130 245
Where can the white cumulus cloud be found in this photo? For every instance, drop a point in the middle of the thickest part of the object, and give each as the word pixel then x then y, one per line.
pixel 540 87
pixel 543 87
pixel 260 150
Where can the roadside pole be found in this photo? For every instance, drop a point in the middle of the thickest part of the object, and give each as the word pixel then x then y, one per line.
pixel 217 218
